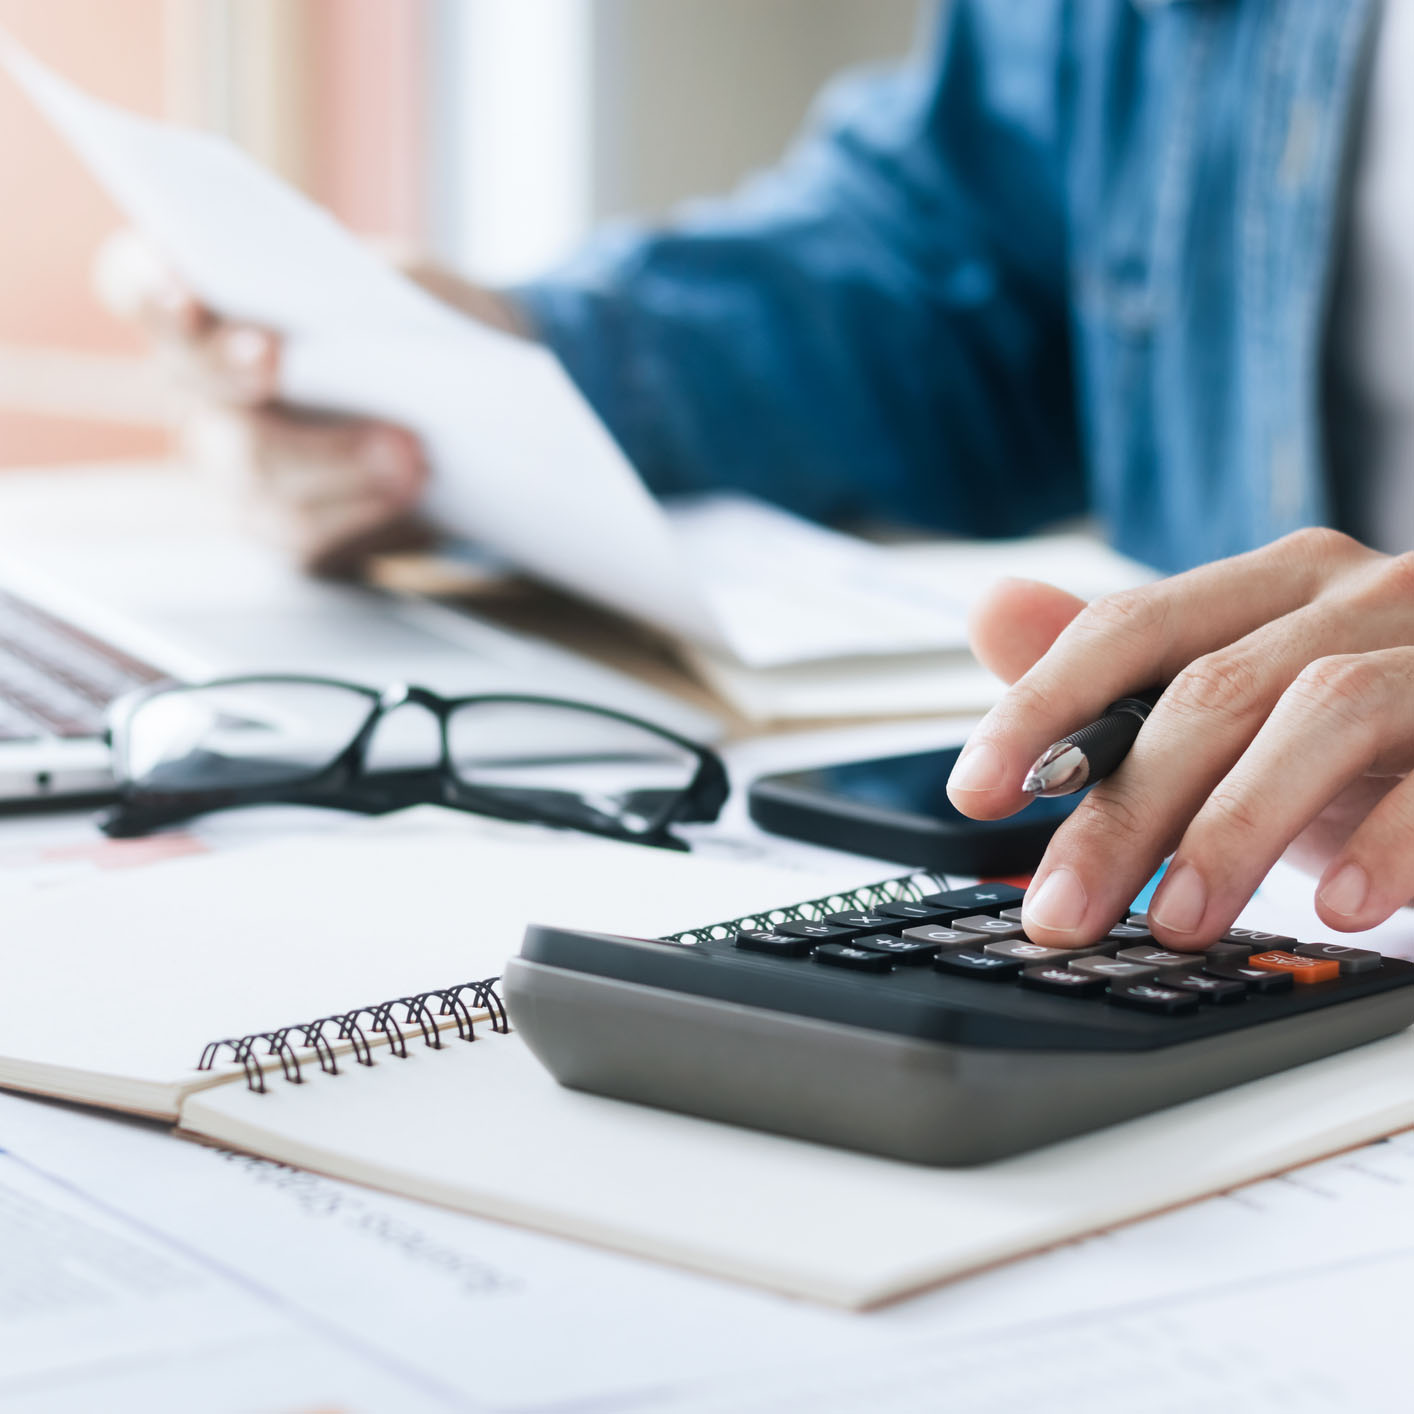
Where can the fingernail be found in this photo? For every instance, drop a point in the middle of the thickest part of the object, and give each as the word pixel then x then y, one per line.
pixel 1059 904
pixel 1346 892
pixel 1181 902
pixel 979 768
pixel 385 462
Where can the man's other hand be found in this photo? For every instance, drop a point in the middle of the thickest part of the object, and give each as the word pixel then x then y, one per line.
pixel 332 489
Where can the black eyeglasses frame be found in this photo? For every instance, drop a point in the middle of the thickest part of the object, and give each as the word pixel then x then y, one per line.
pixel 347 784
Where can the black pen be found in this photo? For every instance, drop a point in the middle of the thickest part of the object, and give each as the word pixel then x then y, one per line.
pixel 1090 754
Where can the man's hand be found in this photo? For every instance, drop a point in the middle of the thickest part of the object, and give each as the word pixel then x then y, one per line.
pixel 1287 724
pixel 333 489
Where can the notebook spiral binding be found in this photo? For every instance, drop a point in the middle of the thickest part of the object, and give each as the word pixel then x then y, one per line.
pixel 904 889
pixel 353 1026
pixel 382 1018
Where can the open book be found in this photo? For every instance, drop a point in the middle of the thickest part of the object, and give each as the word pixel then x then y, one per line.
pixel 112 992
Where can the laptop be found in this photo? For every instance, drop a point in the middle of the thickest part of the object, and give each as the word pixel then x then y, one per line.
pixel 87 619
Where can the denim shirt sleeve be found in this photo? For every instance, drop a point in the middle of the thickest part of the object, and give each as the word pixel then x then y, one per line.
pixel 878 327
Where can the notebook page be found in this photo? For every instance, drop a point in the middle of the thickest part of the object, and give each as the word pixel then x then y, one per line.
pixel 827 1224
pixel 109 990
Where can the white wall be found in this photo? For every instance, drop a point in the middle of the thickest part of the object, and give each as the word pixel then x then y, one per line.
pixel 690 95
pixel 553 114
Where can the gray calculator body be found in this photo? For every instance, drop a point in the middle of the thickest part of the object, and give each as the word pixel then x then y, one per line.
pixel 914 1062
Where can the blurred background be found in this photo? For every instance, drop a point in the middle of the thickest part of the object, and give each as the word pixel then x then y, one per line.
pixel 490 133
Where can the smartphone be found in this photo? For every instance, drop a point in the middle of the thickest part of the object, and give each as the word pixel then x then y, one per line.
pixel 897 808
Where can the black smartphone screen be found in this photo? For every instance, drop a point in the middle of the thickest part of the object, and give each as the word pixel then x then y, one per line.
pixel 897 807
pixel 910 785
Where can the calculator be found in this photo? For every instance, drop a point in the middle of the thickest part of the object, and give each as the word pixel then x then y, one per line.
pixel 927 1026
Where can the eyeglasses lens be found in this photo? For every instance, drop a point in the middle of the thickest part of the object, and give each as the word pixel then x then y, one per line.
pixel 566 766
pixel 239 735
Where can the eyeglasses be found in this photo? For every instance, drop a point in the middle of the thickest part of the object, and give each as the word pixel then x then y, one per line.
pixel 181 751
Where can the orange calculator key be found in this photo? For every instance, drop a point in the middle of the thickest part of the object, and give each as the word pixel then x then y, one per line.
pixel 1302 969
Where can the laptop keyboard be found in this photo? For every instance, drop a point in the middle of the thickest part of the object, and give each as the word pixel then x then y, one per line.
pixel 55 679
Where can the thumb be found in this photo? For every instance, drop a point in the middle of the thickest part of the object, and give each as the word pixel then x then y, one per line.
pixel 1016 622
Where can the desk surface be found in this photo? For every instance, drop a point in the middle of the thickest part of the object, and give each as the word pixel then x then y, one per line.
pixel 280 1290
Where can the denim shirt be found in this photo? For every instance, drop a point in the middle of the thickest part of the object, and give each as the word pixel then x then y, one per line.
pixel 1077 258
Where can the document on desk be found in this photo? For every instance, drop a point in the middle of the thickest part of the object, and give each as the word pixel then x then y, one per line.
pixel 82 1287
pixel 1162 1308
pixel 520 461
pixel 497 1316
pixel 101 1309
pixel 1161 1317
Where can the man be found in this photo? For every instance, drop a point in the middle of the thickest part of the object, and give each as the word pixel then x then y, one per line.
pixel 1144 259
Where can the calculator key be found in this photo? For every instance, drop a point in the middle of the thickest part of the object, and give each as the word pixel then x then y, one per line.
pixel 968 962
pixel 1220 990
pixel 1152 956
pixel 980 898
pixel 1152 996
pixel 1142 919
pixel 763 940
pixel 1302 969
pixel 1027 951
pixel 1351 960
pixel 1257 981
pixel 1222 951
pixel 941 937
pixel 907 950
pixel 1260 941
pixel 1133 933
pixel 847 955
pixel 1012 913
pixel 986 925
pixel 905 912
pixel 1113 969
pixel 1062 981
pixel 816 932
pixel 856 918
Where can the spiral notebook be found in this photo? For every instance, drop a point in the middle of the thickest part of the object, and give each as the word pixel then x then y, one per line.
pixel 234 995
pixel 112 991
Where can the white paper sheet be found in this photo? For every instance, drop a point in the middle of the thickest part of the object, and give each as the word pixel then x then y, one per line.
pixel 786 590
pixel 1324 1342
pixel 505 1318
pixel 965 570
pixel 520 461
pixel 910 585
pixel 1162 1317
pixel 100 1309
pixel 79 1287
pixel 290 1372
pixel 1330 1241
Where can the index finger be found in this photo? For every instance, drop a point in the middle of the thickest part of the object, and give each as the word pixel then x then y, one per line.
pixel 1126 642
